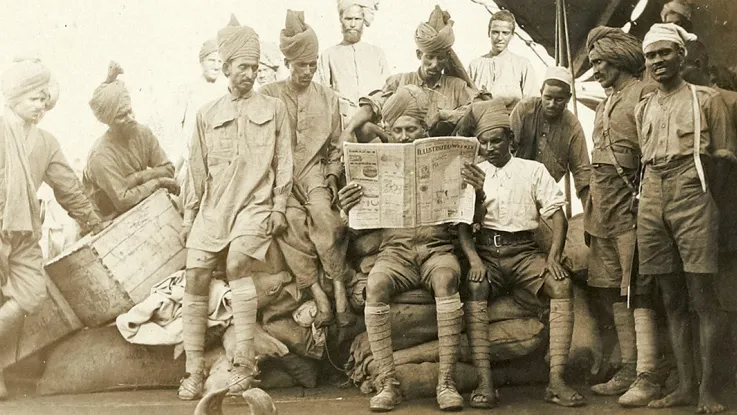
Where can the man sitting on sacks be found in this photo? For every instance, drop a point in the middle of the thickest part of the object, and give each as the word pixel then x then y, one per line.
pixel 411 258
pixel 516 193
pixel 127 164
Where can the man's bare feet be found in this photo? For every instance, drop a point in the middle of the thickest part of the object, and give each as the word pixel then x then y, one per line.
pixel 559 393
pixel 679 397
pixel 709 405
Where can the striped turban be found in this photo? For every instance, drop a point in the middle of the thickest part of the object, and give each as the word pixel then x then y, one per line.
pixel 435 36
pixel 489 115
pixel 368 7
pixel 210 46
pixel 616 47
pixel 236 41
pixel 108 98
pixel 409 100
pixel 28 76
pixel 298 42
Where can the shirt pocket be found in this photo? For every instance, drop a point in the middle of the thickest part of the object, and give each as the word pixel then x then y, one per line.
pixel 260 132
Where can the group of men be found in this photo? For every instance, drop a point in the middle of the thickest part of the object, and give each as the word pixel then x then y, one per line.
pixel 262 176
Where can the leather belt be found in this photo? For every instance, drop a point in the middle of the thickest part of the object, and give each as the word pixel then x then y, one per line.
pixel 500 238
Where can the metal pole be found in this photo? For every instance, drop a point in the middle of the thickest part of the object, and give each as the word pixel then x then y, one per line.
pixel 563 37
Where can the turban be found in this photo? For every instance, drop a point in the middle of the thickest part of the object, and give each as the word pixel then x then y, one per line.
pixel 667 31
pixel 108 98
pixel 436 35
pixel 676 7
pixel 270 55
pixel 298 42
pixel 559 73
pixel 210 46
pixel 409 100
pixel 236 41
pixel 368 7
pixel 28 76
pixel 616 47
pixel 489 115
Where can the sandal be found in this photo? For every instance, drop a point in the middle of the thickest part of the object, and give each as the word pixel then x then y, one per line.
pixel 191 386
pixel 242 378
pixel 574 399
pixel 480 400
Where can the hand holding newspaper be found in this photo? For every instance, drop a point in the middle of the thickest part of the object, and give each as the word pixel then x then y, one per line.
pixel 411 185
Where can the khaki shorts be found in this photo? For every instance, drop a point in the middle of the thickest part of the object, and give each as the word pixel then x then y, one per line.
pixel 678 223
pixel 244 244
pixel 21 270
pixel 611 259
pixel 409 274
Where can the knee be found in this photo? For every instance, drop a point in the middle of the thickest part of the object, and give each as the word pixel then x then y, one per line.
pixel 378 288
pixel 477 291
pixel 444 282
pixel 198 281
pixel 559 289
pixel 236 266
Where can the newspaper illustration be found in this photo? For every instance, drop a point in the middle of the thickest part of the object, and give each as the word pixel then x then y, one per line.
pixel 410 185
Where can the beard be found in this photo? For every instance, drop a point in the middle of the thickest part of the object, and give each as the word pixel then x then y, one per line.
pixel 352 35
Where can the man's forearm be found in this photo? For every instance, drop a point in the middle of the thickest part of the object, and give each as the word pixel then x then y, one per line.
pixel 467 244
pixel 560 228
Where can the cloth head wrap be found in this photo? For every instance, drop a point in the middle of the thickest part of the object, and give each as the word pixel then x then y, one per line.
pixel 559 73
pixel 368 7
pixel 616 47
pixel 107 100
pixel 236 41
pixel 28 76
pixel 676 6
pixel 210 46
pixel 409 100
pixel 489 115
pixel 667 31
pixel 298 42
pixel 435 36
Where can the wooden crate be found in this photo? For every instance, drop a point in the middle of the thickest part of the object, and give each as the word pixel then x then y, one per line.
pixel 104 276
pixel 54 320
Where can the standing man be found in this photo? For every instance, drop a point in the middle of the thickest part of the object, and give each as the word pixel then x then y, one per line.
pixel 28 157
pixel 501 72
pixel 206 88
pixel 353 68
pixel 408 259
pixel 448 94
pixel 516 193
pixel 678 225
pixel 547 132
pixel 241 172
pixel 610 216
pixel 677 12
pixel 315 234
pixel 127 164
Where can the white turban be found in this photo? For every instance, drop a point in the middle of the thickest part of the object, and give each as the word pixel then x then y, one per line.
pixel 28 76
pixel 369 7
pixel 667 31
pixel 559 73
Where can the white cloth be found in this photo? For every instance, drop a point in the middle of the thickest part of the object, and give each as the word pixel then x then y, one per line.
pixel 157 320
pixel 506 75
pixel 518 194
pixel 667 31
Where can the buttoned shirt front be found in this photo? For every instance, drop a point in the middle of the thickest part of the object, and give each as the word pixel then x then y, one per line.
pixel 518 194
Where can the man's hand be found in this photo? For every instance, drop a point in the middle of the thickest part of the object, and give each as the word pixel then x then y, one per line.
pixel 184 234
pixel 477 273
pixel 369 132
pixel 555 269
pixel 333 187
pixel 474 176
pixel 277 224
pixel 169 184
pixel 349 196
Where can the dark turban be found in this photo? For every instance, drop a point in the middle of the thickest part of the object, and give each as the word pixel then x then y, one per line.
pixel 298 42
pixel 489 115
pixel 616 47
pixel 210 46
pixel 408 100
pixel 435 36
pixel 236 41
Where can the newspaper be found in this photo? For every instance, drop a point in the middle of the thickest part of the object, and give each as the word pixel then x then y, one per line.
pixel 411 185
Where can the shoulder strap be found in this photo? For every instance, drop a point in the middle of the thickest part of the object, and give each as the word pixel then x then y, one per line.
pixel 697 137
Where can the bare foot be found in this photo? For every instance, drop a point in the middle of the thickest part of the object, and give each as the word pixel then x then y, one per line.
pixel 709 405
pixel 484 396
pixel 677 398
pixel 558 392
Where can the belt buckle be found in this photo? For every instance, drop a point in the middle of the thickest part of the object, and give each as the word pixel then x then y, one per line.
pixel 497 240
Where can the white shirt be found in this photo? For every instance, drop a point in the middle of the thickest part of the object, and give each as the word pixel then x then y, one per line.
pixel 518 194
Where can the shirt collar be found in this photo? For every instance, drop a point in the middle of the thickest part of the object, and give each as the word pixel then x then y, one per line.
pixel 437 85
pixel 234 97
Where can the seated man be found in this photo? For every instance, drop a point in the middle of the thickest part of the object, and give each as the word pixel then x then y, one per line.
pixel 409 259
pixel 516 194
pixel 127 164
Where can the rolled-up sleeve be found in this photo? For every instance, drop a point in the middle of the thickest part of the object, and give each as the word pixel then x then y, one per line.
pixel 283 163
pixel 548 196
pixel 578 160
